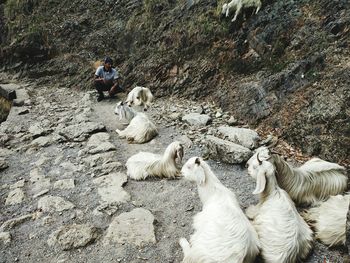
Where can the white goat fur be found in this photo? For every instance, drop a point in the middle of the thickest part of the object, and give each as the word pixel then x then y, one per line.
pixel 284 235
pixel 222 233
pixel 125 113
pixel 145 164
pixel 140 96
pixel 140 129
pixel 238 5
pixel 315 180
pixel 329 219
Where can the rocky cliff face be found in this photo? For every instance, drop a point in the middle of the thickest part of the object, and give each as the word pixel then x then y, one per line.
pixel 284 70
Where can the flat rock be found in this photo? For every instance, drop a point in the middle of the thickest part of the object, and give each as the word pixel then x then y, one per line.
pixel 79 132
pixel 16 196
pixel 196 119
pixel 99 142
pixel 110 188
pixel 39 181
pixel 64 184
pixel 226 151
pixel 42 141
pixel 37 130
pixel 18 184
pixel 242 136
pixel 15 221
pixel 54 203
pixel 5 237
pixel 135 227
pixel 3 164
pixel 73 236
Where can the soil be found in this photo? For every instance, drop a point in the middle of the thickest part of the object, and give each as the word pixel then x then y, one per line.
pixel 172 202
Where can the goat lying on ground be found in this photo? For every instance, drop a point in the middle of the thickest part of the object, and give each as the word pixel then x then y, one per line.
pixel 140 96
pixel 222 233
pixel 238 5
pixel 315 180
pixel 145 164
pixel 284 235
pixel 329 219
pixel 140 128
pixel 125 113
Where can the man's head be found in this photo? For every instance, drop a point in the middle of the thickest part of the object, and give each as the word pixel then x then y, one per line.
pixel 108 63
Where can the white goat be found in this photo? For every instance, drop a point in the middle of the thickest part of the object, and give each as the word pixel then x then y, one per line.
pixel 315 180
pixel 238 5
pixel 140 129
pixel 329 219
pixel 284 235
pixel 140 96
pixel 145 164
pixel 223 234
pixel 125 113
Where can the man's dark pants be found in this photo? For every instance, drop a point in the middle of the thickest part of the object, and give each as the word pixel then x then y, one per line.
pixel 101 86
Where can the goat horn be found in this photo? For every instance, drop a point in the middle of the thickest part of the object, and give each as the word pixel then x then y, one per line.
pixel 197 161
pixel 257 157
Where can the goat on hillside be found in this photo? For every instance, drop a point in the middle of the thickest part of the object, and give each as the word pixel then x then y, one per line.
pixel 145 164
pixel 284 235
pixel 140 129
pixel 222 233
pixel 125 113
pixel 238 5
pixel 315 180
pixel 329 219
pixel 140 96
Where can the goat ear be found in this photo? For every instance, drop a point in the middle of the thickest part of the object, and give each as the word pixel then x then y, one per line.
pixel 121 103
pixel 260 182
pixel 197 161
pixel 180 153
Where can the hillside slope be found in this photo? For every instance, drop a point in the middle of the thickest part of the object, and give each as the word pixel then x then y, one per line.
pixel 285 70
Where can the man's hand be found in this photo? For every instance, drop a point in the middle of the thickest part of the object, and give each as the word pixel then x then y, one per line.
pixel 99 79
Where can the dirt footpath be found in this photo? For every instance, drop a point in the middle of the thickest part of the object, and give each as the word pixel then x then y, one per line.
pixel 65 196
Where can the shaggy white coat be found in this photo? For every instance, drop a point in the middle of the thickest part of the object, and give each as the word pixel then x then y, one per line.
pixel 284 235
pixel 125 113
pixel 313 181
pixel 329 219
pixel 222 233
pixel 145 164
pixel 238 5
pixel 140 96
pixel 140 129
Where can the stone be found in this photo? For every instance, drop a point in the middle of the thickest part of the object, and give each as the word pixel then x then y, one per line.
pixel 135 227
pixel 39 181
pixel 15 221
pixel 101 158
pixel 99 142
pixel 242 136
pixel 64 184
pixel 18 184
pixel 5 237
pixel 54 204
pixel 110 188
pixel 3 164
pixel 73 236
pixel 42 141
pixel 37 130
pixel 16 196
pixel 80 132
pixel 226 151
pixel 196 119
pixel 232 121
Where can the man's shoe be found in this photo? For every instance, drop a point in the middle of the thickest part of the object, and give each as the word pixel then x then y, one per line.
pixel 100 97
pixel 111 95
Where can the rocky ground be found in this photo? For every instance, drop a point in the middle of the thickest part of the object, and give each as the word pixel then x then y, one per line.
pixel 64 193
